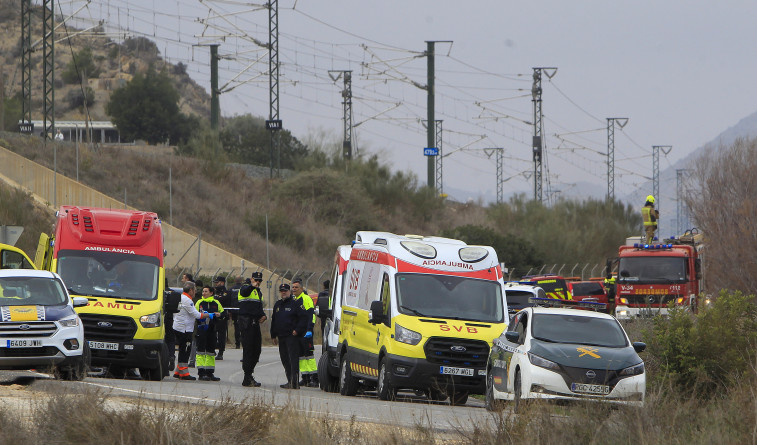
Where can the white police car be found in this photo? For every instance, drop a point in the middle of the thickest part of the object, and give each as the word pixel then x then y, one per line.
pixel 561 353
pixel 38 326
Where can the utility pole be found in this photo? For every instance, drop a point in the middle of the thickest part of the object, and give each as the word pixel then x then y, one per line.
pixel 430 133
pixel 346 75
pixel 215 107
pixel 500 161
pixel 611 122
pixel 681 218
pixel 439 174
pixel 26 63
pixel 48 67
pixel 656 174
pixel 273 124
pixel 538 143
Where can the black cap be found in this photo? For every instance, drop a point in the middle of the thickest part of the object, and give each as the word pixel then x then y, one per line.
pixel 257 276
pixel 220 278
pixel 284 287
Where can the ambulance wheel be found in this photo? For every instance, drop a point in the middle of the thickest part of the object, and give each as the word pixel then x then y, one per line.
pixel 347 383
pixel 436 395
pixel 492 403
pixel 326 381
pixel 384 387
pixel 458 398
pixel 157 374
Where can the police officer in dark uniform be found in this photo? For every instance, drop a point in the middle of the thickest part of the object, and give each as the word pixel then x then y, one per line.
pixel 251 315
pixel 223 295
pixel 234 313
pixel 289 322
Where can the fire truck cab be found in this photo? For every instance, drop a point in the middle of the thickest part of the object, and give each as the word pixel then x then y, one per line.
pixel 651 276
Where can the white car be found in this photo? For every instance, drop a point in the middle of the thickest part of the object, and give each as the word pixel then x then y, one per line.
pixel 39 328
pixel 569 354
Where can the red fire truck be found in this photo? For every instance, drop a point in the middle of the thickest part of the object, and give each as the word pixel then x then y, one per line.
pixel 114 258
pixel 651 276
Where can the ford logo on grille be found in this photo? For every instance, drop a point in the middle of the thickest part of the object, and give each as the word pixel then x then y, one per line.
pixel 104 324
pixel 457 348
pixel 24 327
pixel 591 374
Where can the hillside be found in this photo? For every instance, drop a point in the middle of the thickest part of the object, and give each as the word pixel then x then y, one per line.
pixel 115 64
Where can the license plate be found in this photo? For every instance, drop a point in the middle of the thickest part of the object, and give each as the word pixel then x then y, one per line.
pixel 103 345
pixel 25 343
pixel 449 370
pixel 587 388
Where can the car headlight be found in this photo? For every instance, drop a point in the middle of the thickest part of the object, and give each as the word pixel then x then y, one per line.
pixel 150 321
pixel 633 370
pixel 404 335
pixel 542 362
pixel 69 322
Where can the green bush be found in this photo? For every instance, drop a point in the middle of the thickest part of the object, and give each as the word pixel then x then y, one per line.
pixel 281 229
pixel 704 353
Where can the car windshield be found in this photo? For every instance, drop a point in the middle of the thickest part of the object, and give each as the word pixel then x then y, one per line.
pixel 32 291
pixel 109 274
pixel 446 296
pixel 588 288
pixel 578 329
pixel 652 269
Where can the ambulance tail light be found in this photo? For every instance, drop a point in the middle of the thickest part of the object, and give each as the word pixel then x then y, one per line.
pixel 472 254
pixel 419 249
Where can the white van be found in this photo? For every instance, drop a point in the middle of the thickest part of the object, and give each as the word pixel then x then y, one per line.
pixel 418 313
pixel 331 312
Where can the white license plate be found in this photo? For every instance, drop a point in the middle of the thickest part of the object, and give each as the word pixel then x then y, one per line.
pixel 103 345
pixel 449 370
pixel 587 388
pixel 25 343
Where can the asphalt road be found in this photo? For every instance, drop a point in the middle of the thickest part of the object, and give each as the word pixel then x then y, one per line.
pixel 408 410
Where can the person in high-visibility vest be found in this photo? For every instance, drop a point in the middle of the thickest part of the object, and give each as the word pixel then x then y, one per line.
pixel 650 217
pixel 308 366
pixel 206 334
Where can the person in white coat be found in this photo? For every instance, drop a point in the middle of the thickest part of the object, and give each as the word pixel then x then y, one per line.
pixel 183 326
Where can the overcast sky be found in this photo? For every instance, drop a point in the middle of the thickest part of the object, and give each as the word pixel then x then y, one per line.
pixel 681 71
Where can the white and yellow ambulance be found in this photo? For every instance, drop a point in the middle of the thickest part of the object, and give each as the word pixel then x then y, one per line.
pixel 419 313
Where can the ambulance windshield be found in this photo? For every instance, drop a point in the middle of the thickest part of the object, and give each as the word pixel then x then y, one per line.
pixel 446 296
pixel 109 274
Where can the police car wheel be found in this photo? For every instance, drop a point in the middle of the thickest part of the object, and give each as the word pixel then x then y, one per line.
pixel 492 403
pixel 518 402
pixel 384 387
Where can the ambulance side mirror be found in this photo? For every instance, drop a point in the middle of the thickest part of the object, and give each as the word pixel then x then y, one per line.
pixel 376 315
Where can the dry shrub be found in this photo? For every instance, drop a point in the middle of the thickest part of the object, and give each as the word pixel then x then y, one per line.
pixel 88 418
